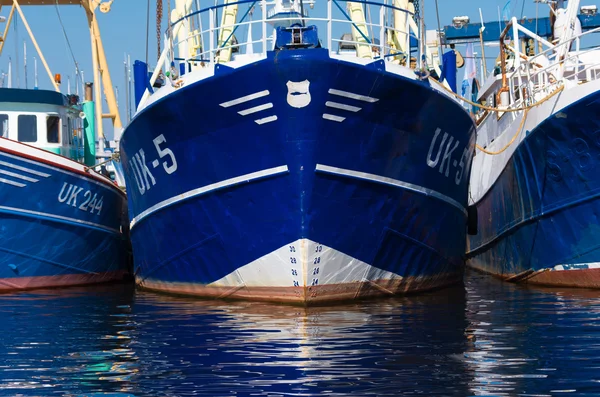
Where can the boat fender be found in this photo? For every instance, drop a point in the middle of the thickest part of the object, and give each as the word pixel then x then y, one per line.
pixel 472 220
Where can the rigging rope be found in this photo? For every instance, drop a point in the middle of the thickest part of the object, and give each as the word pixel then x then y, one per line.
pixel 77 71
pixel 437 13
pixel 147 28
pixel 484 150
pixel 159 15
pixel 492 109
pixel 170 31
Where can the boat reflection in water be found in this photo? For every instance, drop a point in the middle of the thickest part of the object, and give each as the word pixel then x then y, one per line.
pixel 82 342
pixel 531 340
pixel 399 346
pixel 67 342
pixel 493 338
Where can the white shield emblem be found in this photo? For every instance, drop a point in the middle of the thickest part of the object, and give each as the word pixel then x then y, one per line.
pixel 298 95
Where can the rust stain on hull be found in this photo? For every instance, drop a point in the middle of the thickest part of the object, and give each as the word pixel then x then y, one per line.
pixel 309 295
pixel 67 280
pixel 581 278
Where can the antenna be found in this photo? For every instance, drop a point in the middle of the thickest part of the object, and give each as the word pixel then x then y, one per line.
pixel 125 65
pixel 25 61
pixel 35 74
pixel 9 73
pixel 17 54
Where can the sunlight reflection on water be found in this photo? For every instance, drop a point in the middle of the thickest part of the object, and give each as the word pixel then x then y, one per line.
pixel 486 338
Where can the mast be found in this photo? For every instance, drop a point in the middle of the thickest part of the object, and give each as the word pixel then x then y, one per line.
pixel 25 61
pixel 101 73
pixel 9 73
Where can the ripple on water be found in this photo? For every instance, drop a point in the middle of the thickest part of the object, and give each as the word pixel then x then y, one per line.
pixel 486 338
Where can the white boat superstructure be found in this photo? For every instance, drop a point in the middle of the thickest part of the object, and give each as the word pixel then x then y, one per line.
pixel 535 177
pixel 237 33
pixel 524 89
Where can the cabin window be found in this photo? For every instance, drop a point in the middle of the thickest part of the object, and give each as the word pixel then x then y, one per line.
pixel 53 129
pixel 27 128
pixel 4 125
pixel 70 131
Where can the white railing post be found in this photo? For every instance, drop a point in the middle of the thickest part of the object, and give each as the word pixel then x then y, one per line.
pixel 211 28
pixel 167 63
pixel 516 42
pixel 382 29
pixel 511 90
pixel 517 49
pixel 407 37
pixel 263 5
pixel 329 27
pixel 577 49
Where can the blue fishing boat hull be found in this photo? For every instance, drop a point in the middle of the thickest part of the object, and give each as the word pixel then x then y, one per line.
pixel 299 178
pixel 60 226
pixel 539 222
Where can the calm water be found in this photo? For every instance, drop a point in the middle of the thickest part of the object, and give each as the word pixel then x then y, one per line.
pixel 112 341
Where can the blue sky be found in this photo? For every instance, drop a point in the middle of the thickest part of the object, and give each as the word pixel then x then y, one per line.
pixel 124 32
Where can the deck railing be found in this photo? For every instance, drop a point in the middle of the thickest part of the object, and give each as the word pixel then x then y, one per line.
pixel 529 79
pixel 254 34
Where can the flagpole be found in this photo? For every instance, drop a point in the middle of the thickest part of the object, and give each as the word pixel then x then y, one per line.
pixel 482 45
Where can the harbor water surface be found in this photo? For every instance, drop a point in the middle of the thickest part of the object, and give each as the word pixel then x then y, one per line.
pixel 483 338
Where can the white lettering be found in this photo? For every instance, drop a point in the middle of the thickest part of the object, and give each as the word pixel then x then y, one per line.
pixel 465 160
pixel 87 196
pixel 73 197
pixel 99 205
pixel 92 204
pixel 69 197
pixel 430 162
pixel 142 173
pixel 165 152
pixel 448 146
pixel 447 156
pixel 64 198
pixel 138 176
pixel 145 171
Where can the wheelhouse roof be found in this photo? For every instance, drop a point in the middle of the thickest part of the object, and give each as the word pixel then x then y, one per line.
pixel 20 95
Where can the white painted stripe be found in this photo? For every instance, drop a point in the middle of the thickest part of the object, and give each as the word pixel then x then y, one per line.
pixel 208 188
pixel 58 217
pixel 390 181
pixel 342 106
pixel 255 109
pixel 244 99
pixel 94 177
pixel 9 182
pixel 18 167
pixel 41 154
pixel 353 95
pixel 577 266
pixel 14 174
pixel 266 120
pixel 333 117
